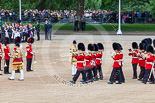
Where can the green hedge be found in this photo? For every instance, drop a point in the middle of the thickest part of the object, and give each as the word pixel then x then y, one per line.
pixel 107 27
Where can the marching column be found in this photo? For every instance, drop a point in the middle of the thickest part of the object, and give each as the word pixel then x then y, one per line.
pixel 80 64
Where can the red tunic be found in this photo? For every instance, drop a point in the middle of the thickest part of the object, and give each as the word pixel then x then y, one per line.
pixel 80 61
pixel 116 59
pixel 7 53
pixel 93 60
pixel 121 59
pixel 141 61
pixel 88 60
pixel 134 57
pixel 29 52
pixel 149 61
pixel 98 58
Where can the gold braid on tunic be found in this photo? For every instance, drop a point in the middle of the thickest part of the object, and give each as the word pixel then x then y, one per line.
pixel 17 60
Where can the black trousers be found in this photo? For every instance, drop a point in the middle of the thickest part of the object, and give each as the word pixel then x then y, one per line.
pixel 134 70
pixel 147 75
pixel 122 75
pixel 38 35
pixel 99 69
pixel 76 76
pixel 89 74
pixel 29 62
pixel 142 72
pixel 115 75
pixel 6 69
pixel 95 72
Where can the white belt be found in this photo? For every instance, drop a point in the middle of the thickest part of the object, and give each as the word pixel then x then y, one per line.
pixel 149 63
pixel 80 61
pixel 134 57
pixel 98 58
pixel 141 59
pixel 86 60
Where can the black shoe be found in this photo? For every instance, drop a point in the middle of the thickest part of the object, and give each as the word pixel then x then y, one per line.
pixel 152 83
pixel 1 74
pixel 140 79
pixel 10 79
pixel 110 82
pixel 81 80
pixel 101 78
pixel 21 79
pixel 134 78
pixel 118 83
pixel 73 82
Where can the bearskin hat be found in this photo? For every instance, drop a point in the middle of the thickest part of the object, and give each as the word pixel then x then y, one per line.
pixel 31 40
pixel 81 47
pixel 121 48
pixel 141 46
pixel 116 46
pixel 6 40
pixel 91 47
pixel 95 47
pixel 154 42
pixel 17 40
pixel 149 48
pixel 134 45
pixel 100 46
pixel 74 42
pixel 146 41
pixel 150 40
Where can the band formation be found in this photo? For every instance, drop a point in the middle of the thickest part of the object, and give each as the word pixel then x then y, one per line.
pixel 89 62
pixel 17 62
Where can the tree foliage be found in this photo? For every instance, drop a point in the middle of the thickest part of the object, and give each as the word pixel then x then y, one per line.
pixel 127 5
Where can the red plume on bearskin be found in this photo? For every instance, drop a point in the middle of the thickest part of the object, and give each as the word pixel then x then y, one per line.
pixel 31 40
pixel 6 40
pixel 17 40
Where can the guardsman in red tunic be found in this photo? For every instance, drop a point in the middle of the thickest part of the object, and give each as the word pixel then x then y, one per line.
pixel 80 64
pixel 121 63
pixel 94 62
pixel 7 56
pixel 29 54
pixel 141 61
pixel 116 66
pixel 150 58
pixel 1 55
pixel 88 66
pixel 135 60
pixel 99 60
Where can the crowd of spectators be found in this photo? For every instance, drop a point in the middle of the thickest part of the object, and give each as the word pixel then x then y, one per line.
pixel 101 16
pixel 16 30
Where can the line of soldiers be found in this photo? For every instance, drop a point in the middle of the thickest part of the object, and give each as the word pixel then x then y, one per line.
pixel 88 63
pixel 17 64
pixel 145 57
